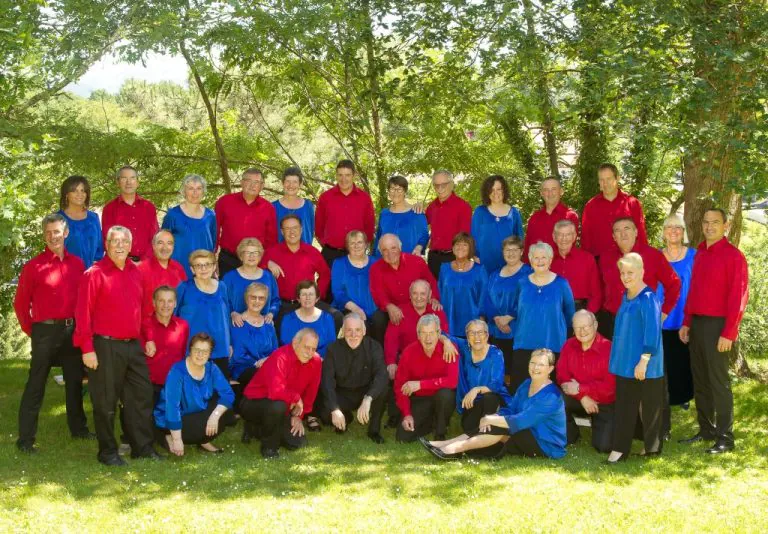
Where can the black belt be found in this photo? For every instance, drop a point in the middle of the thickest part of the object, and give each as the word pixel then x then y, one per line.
pixel 120 339
pixel 65 322
pixel 443 252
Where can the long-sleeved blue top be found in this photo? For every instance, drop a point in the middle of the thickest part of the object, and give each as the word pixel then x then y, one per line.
pixel 249 345
pixel 324 326
pixel 683 268
pixel 462 295
pixel 183 394
pixel 543 414
pixel 409 226
pixel 85 239
pixel 307 215
pixel 489 231
pixel 489 373
pixel 207 313
pixel 352 283
pixel 637 331
pixel 500 299
pixel 190 234
pixel 236 286
pixel 542 314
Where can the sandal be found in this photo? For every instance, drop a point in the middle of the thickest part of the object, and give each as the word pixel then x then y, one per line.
pixel 313 424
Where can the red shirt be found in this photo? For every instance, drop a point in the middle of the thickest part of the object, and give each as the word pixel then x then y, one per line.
pixel 236 220
pixel 598 217
pixel 297 266
pixel 392 286
pixel 338 214
pixel 140 218
pixel 580 269
pixel 47 289
pixel 433 374
pixel 108 303
pixel 589 368
pixel 170 341
pixel 656 270
pixel 446 219
pixel 284 378
pixel 719 286
pixel 541 226
pixel 399 336
pixel 154 275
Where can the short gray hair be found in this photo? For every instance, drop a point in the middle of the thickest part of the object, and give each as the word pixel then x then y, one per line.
pixel 353 316
pixel 586 312
pixel 190 179
pixel 419 281
pixel 562 223
pixel 163 231
pixel 299 336
pixel 426 320
pixel 399 243
pixel 117 229
pixel 476 322
pixel 444 172
pixel 544 352
pixel 52 218
pixel 541 245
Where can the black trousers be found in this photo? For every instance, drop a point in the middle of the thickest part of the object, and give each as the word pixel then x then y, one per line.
pixel 677 363
pixel 605 323
pixel 349 401
pixel 638 398
pixel 487 404
pixel 269 421
pixel 429 413
pixel 331 254
pixel 121 375
pixel 223 365
pixel 288 306
pixel 711 382
pixel 52 346
pixel 193 424
pixel 228 261
pixel 379 322
pixel 435 260
pixel 602 423
pixel 505 346
pixel 242 382
pixel 521 443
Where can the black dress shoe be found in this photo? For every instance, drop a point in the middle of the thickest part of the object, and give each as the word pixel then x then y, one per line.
pixel 112 461
pixel 720 447
pixel 27 448
pixel 84 435
pixel 692 439
pixel 148 454
pixel 376 438
pixel 269 453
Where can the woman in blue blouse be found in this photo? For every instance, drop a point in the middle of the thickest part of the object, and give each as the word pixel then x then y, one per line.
pixel 494 221
pixel 308 316
pixel 350 282
pixel 193 225
pixel 533 424
pixel 255 339
pixel 462 285
pixel 195 404
pixel 292 203
pixel 637 360
pixel 400 219
pixel 85 239
pixel 250 251
pixel 204 304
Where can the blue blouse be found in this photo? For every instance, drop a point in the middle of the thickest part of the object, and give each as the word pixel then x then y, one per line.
pixel 207 313
pixel 324 326
pixel 184 394
pixel 488 373
pixel 190 234
pixel 500 299
pixel 249 345
pixel 352 283
pixel 85 239
pixel 307 215
pixel 543 414
pixel 683 268
pixel 543 314
pixel 409 226
pixel 637 331
pixel 236 286
pixel 489 231
pixel 462 295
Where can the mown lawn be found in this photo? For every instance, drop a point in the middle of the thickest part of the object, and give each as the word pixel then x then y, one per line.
pixel 347 483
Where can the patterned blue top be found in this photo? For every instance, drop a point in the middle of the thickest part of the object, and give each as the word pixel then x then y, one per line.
pixel 409 226
pixel 84 240
pixel 352 283
pixel 489 231
pixel 543 314
pixel 637 331
pixel 236 286
pixel 683 268
pixel 500 299
pixel 307 215
pixel 190 234
pixel 462 295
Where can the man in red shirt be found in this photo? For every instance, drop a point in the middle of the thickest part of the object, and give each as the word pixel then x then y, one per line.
pixel 604 208
pixel 589 388
pixel 159 269
pixel 541 225
pixel 133 212
pixel 241 215
pixel 45 307
pixel 425 384
pixel 447 215
pixel 716 302
pixel 107 330
pixel 577 266
pixel 282 393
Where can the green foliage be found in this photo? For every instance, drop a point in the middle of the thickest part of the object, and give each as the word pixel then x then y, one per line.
pixel 753 334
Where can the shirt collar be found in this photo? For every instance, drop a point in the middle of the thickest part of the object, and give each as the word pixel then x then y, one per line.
pixel 717 246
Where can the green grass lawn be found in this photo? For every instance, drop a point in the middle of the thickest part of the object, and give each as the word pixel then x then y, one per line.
pixel 347 483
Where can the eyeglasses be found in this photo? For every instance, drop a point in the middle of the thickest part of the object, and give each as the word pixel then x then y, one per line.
pixel 204 266
pixel 200 352
pixel 441 185
pixel 120 241
pixel 537 365
pixel 586 328
pixel 477 333
pixel 253 252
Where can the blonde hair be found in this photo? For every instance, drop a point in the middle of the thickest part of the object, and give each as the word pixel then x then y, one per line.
pixel 675 220
pixel 631 259
pixel 248 242
pixel 202 253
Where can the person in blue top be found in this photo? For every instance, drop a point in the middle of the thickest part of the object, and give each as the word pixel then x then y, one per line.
pixel 292 204
pixel 462 284
pixel 203 302
pixel 400 219
pixel 193 225
pixel 543 310
pixel 254 340
pixel 494 221
pixel 533 424
pixel 84 239
pixel 350 282
pixel 195 404
pixel 250 251
pixel 637 360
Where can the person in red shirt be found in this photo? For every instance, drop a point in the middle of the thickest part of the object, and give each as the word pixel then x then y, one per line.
pixel 130 210
pixel 45 307
pixel 425 385
pixel 541 225
pixel 447 215
pixel 159 269
pixel 604 208
pixel 241 215
pixel 282 393
pixel 716 302
pixel 107 330
pixel 578 267
pixel 589 389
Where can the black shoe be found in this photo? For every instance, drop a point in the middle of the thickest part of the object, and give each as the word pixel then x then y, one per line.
pixel 148 454
pixel 112 461
pixel 686 406
pixel 693 439
pixel 269 453
pixel 720 447
pixel 376 438
pixel 27 448
pixel 392 422
pixel 90 436
pixel 438 453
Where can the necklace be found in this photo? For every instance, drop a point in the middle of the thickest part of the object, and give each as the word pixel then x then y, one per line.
pixel 679 255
